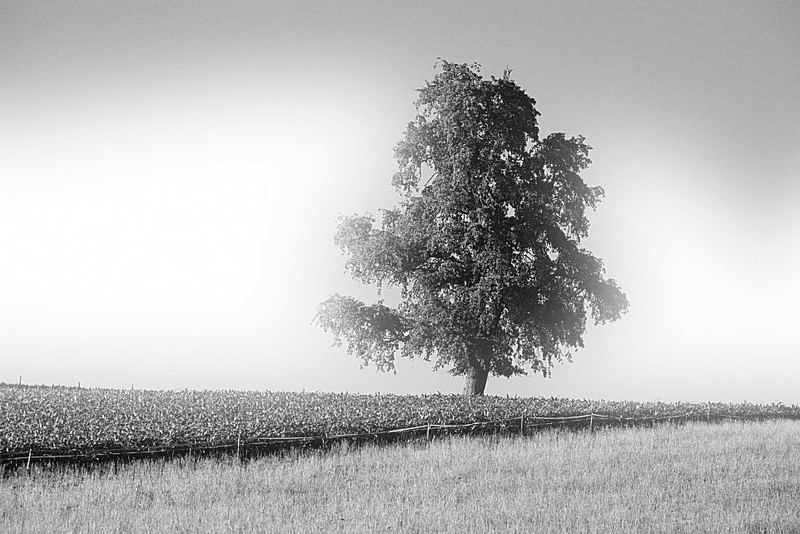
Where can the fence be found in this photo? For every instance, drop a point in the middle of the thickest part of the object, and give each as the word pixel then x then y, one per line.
pixel 247 448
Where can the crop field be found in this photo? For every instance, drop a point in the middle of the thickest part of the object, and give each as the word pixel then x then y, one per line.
pixel 732 477
pixel 40 423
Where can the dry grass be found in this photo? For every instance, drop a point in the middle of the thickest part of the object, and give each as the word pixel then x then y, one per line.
pixel 694 478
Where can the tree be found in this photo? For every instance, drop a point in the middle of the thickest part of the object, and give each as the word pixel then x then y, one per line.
pixel 484 246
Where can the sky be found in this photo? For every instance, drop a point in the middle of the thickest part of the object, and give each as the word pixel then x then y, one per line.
pixel 171 174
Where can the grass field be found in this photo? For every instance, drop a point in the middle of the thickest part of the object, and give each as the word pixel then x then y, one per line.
pixel 730 477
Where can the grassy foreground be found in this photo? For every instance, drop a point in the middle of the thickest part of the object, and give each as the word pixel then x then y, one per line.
pixel 730 477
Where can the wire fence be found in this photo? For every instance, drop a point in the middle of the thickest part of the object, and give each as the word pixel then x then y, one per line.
pixel 245 448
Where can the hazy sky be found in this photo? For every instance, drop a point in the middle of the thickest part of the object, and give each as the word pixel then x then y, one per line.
pixel 171 175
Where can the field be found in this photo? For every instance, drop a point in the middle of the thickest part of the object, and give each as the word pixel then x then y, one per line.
pixel 729 477
pixel 47 423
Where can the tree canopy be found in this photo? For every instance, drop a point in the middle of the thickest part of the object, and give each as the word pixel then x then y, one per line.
pixel 484 246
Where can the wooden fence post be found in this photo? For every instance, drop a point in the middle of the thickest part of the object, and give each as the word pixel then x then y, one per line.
pixel 428 432
pixel 28 466
pixel 591 422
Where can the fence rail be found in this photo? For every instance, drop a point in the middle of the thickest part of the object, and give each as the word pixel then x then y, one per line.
pixel 519 425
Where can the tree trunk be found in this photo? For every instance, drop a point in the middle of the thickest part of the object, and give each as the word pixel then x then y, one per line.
pixel 475 382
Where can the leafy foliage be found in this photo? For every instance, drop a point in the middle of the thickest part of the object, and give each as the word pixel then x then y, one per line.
pixel 485 244
pixel 63 420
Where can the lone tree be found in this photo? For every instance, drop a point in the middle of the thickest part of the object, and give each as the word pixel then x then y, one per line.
pixel 484 245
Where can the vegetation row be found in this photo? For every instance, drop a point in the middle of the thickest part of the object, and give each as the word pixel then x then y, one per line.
pixel 67 420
